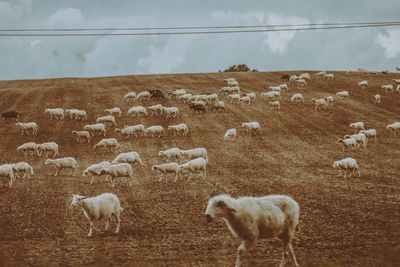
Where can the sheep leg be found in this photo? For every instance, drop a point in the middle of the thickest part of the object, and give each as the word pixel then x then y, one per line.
pixel 92 178
pixel 241 249
pixel 290 245
pixel 107 224
pixel 285 254
pixel 90 228
pixel 118 222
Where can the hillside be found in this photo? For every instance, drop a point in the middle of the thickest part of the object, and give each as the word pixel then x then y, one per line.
pixel 344 222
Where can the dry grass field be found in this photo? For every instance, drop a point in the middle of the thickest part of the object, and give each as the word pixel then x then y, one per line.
pixel 344 222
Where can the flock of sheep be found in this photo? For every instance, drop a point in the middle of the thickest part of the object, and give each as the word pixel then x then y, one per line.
pixel 248 218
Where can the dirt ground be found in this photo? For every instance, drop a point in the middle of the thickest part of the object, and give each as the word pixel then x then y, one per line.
pixel 344 222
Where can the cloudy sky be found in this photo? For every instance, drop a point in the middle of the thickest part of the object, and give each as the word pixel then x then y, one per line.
pixel 43 57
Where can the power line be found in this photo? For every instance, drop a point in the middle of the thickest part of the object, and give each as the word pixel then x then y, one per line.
pixel 306 27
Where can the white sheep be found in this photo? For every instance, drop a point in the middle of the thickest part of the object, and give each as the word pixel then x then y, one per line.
pixel 211 98
pixel 244 100
pixel 22 167
pixel 320 74
pixel 301 82
pixel 275 88
pixel 387 87
pixel 305 76
pixel 251 126
pixel 63 163
pixel 114 110
pixel 179 130
pixel 103 206
pixel 170 153
pixel 369 133
pixel 28 147
pixel 76 114
pixel 82 136
pixel 234 97
pixel 176 93
pixel 253 218
pixel 377 99
pixel 252 95
pixel 297 98
pixel 398 88
pixel 271 95
pixel 129 96
pixel 48 147
pixel 107 119
pixel 195 153
pixel 156 129
pixel 359 125
pixel 198 164
pixel 329 100
pixel 346 164
pixel 233 83
pixel 319 103
pixel 185 97
pixel 274 105
pixel 284 87
pixel 7 171
pixel 329 76
pixel 294 78
pixel 57 113
pixel 343 94
pixel 396 81
pixel 107 143
pixel 218 106
pixel 363 84
pixel 137 110
pixel 128 157
pixel 155 109
pixel 134 129
pixel 95 169
pixel 26 126
pixel 100 128
pixel 394 127
pixel 230 134
pixel 117 171
pixel 170 111
pixel 166 168
pixel 144 94
pixel 359 137
pixel 348 143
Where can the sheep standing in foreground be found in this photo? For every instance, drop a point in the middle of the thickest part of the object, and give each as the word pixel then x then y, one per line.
pixel 95 169
pixel 156 129
pixel 22 167
pixel 103 206
pixel 348 143
pixel 179 129
pixel 394 127
pixel 359 125
pixel 26 126
pixel 28 148
pixel 6 170
pixel 251 126
pixel 170 153
pixel 100 128
pixel 346 164
pixel 107 143
pixel 128 157
pixel 82 136
pixel 155 109
pixel 369 133
pixel 57 113
pixel 112 111
pixel 48 147
pixel 253 218
pixel 166 168
pixel 359 137
pixel 297 98
pixel 119 170
pixel 194 165
pixel 62 163
pixel 230 134
pixel 377 99
pixel 107 119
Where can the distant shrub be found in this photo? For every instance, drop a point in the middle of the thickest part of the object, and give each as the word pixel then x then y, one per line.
pixel 239 68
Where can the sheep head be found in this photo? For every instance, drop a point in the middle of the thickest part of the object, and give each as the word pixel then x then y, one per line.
pixel 219 206
pixel 77 200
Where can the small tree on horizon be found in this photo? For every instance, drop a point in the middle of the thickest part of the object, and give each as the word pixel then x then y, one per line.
pixel 239 68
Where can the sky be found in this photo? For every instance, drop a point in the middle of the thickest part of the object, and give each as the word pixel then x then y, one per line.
pixel 49 57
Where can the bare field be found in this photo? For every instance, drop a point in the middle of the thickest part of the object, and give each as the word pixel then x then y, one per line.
pixel 344 222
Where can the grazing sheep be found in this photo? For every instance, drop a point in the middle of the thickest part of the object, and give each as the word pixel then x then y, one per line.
pixel 113 111
pixel 198 109
pixel 118 170
pixel 176 93
pixel 11 115
pixel 170 111
pixel 156 129
pixel 25 126
pixel 252 218
pixel 294 78
pixel 7 171
pixel 82 136
pixel 170 153
pixel 297 98
pixel 128 157
pixel 95 169
pixel 185 98
pixel 329 100
pixel 320 74
pixel 250 126
pixel 233 83
pixel 284 87
pixel 107 143
pixel 107 119
pixel 178 129
pixel 377 99
pixel 28 147
pixel 343 94
pixel 137 110
pixel 46 147
pixel 211 98
pixel 285 77
pixel 131 130
pixel 218 106
pixel 301 82
pixel 305 76
pixel 57 113
pixel 369 133
pixel 144 94
pixel 274 105
pixel 165 168
pixel 156 94
pixel 230 134
pixel 103 206
pixel 155 109
pixel 76 114
pixel 275 88
pixel 387 87
pixel 359 137
pixel 234 97
pixel 62 163
pixel 329 76
pixel 129 96
pixel 396 81
pixel 394 127
pixel 346 164
pixel 244 100
pixel 22 167
pixel 320 103
pixel 271 95
pixel 198 164
pixel 348 143
pixel 195 153
pixel 363 84
pixel 100 128
pixel 252 95
pixel 359 125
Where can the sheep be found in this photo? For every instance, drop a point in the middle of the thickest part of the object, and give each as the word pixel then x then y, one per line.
pixel 398 88
pixel 185 97
pixel 230 134
pixel 319 103
pixel 106 119
pixel 76 114
pixel 195 153
pixel 359 137
pixel 285 77
pixel 156 94
pixel 301 82
pixel 211 98
pixel 178 92
pixel 284 87
pixel 387 87
pixel 170 111
pixel 144 94
pixel 230 90
pixel 369 133
pixel 129 96
pixel 62 163
pixel 198 164
pixel 271 95
pixel 394 127
pixel 154 109
pixel 179 128
pixel 197 102
pixel 346 164
pixel 377 99
pixel 244 100
pixel 396 81
pixel 359 125
pixel 253 218
pixel 81 136
pixel 118 170
pixel 110 143
pixel 294 78
pixel 297 98
pixel 250 126
pixel 234 97
pixel 24 168
pixel 137 110
pixel 275 88
pixel 348 143
pixel 95 169
pixel 57 113
pixel 218 106
pixel 130 130
pixel 170 153
pixel 329 100
pixel 10 115
pixel 7 171
pixel 363 84
pixel 25 126
pixel 305 76
pixel 46 147
pixel 128 157
pixel 114 110
pixel 165 168
pixel 329 76
pixel 233 83
pixel 274 105
pixel 229 79
pixel 320 74
pixel 198 109
pixel 103 206
pixel 156 129
pixel 100 128
pixel 343 94
pixel 28 147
